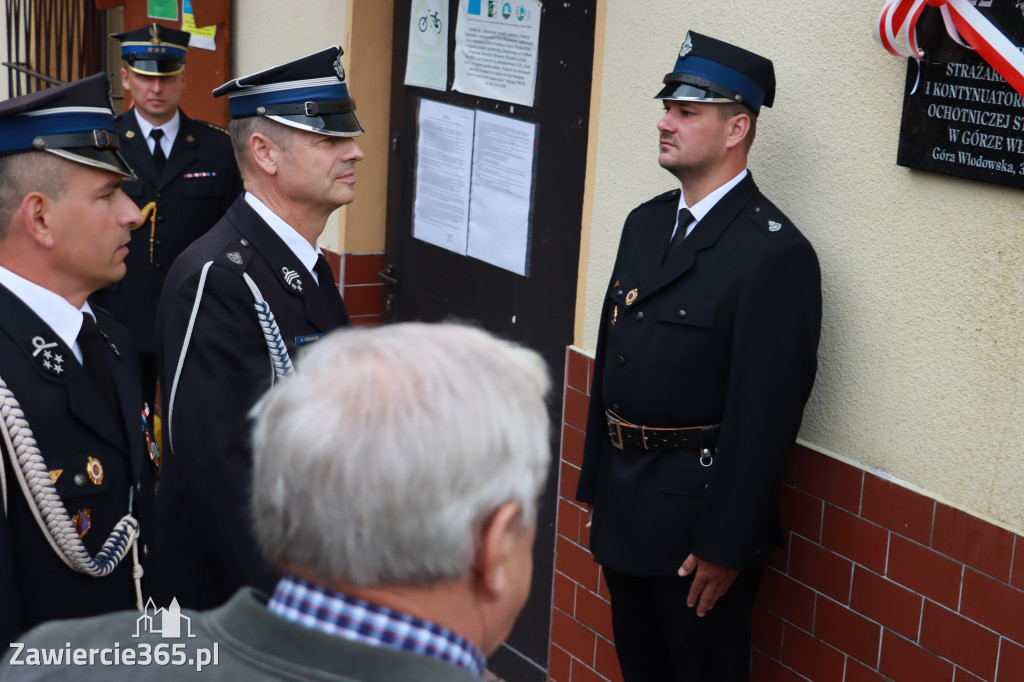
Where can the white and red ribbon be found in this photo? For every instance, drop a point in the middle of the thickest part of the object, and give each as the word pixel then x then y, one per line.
pixel 964 23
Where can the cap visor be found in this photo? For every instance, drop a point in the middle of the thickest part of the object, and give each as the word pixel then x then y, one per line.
pixel 689 93
pixel 156 67
pixel 107 159
pixel 338 125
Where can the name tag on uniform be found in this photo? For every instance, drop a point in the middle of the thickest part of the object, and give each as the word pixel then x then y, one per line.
pixel 308 338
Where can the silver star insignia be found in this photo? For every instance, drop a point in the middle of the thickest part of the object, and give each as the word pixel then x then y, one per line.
pixel 58 358
pixel 46 354
pixel 47 365
pixel 58 369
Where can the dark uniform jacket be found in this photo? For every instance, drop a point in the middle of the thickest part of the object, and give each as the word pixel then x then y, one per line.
pixel 207 550
pixel 724 332
pixel 199 182
pixel 71 424
pixel 250 643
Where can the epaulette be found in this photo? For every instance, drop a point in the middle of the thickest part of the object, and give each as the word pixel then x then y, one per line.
pixel 770 220
pixel 236 253
pixel 213 126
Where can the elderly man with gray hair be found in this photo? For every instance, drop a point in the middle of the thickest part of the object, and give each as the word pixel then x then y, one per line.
pixel 395 487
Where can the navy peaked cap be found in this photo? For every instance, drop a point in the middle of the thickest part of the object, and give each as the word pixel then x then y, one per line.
pixel 153 50
pixel 72 120
pixel 709 70
pixel 308 93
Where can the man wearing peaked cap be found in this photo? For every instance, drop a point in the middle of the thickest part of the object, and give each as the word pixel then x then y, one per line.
pixel 238 305
pixel 187 179
pixel 75 468
pixel 706 355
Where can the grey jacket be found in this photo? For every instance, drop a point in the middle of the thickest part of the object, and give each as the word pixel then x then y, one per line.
pixel 241 640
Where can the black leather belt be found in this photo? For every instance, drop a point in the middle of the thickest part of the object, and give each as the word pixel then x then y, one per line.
pixel 703 439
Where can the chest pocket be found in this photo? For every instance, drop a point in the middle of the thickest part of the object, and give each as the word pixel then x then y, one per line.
pixel 202 187
pixel 80 474
pixel 694 311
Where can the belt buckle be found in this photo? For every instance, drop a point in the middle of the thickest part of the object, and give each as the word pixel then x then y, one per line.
pixel 614 430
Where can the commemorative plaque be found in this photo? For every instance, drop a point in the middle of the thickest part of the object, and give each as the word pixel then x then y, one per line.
pixel 960 117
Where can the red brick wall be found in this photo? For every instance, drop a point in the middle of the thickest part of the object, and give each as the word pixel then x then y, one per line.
pixel 878 582
pixel 363 292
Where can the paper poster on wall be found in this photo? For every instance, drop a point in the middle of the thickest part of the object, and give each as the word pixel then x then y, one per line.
pixel 427 63
pixel 162 9
pixel 496 47
pixel 444 149
pixel 499 206
pixel 203 37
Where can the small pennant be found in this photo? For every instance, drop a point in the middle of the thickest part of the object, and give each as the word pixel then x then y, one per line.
pixel 83 522
pixel 55 474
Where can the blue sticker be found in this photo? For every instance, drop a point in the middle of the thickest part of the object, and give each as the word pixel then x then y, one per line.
pixel 308 338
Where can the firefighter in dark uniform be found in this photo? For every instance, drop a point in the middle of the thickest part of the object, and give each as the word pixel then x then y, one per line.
pixel 187 179
pixel 705 358
pixel 75 454
pixel 237 306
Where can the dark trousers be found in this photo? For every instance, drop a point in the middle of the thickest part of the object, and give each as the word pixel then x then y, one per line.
pixel 658 638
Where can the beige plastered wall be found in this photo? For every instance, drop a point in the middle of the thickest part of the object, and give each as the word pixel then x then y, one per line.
pixel 921 350
pixel 268 33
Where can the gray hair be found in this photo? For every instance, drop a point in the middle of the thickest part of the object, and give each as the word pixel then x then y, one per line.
pixel 30 171
pixel 381 460
pixel 241 129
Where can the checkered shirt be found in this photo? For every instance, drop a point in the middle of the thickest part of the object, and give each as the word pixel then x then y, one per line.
pixel 338 614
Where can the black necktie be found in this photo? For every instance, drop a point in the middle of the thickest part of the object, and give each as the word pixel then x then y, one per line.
pixel 158 150
pixel 327 285
pixel 95 352
pixel 685 218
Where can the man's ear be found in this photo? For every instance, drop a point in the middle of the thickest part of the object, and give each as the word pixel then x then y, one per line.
pixel 738 130
pixel 497 542
pixel 264 153
pixel 124 79
pixel 35 210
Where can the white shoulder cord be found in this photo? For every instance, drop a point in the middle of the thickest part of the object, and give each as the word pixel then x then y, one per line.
pixel 279 358
pixel 280 362
pixel 48 509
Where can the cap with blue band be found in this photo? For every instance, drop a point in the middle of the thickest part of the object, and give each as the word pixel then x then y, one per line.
pixel 154 50
pixel 709 70
pixel 309 93
pixel 73 120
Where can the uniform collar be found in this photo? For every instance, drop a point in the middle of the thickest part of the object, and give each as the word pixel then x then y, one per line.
pixel 295 242
pixel 170 128
pixel 704 206
pixel 62 317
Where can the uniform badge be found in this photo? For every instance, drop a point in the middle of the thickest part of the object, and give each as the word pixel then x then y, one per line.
pixel 234 257
pixel 129 134
pixel 615 315
pixel 774 226
pixel 83 522
pixel 46 356
pixel 687 47
pixel 55 474
pixel 154 35
pixel 151 448
pixel 190 139
pixel 307 339
pixel 338 68
pixel 291 278
pixel 630 297
pixel 95 471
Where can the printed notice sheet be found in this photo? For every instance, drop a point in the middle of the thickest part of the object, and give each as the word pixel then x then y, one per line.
pixel 499 207
pixel 496 45
pixel 444 150
pixel 427 63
